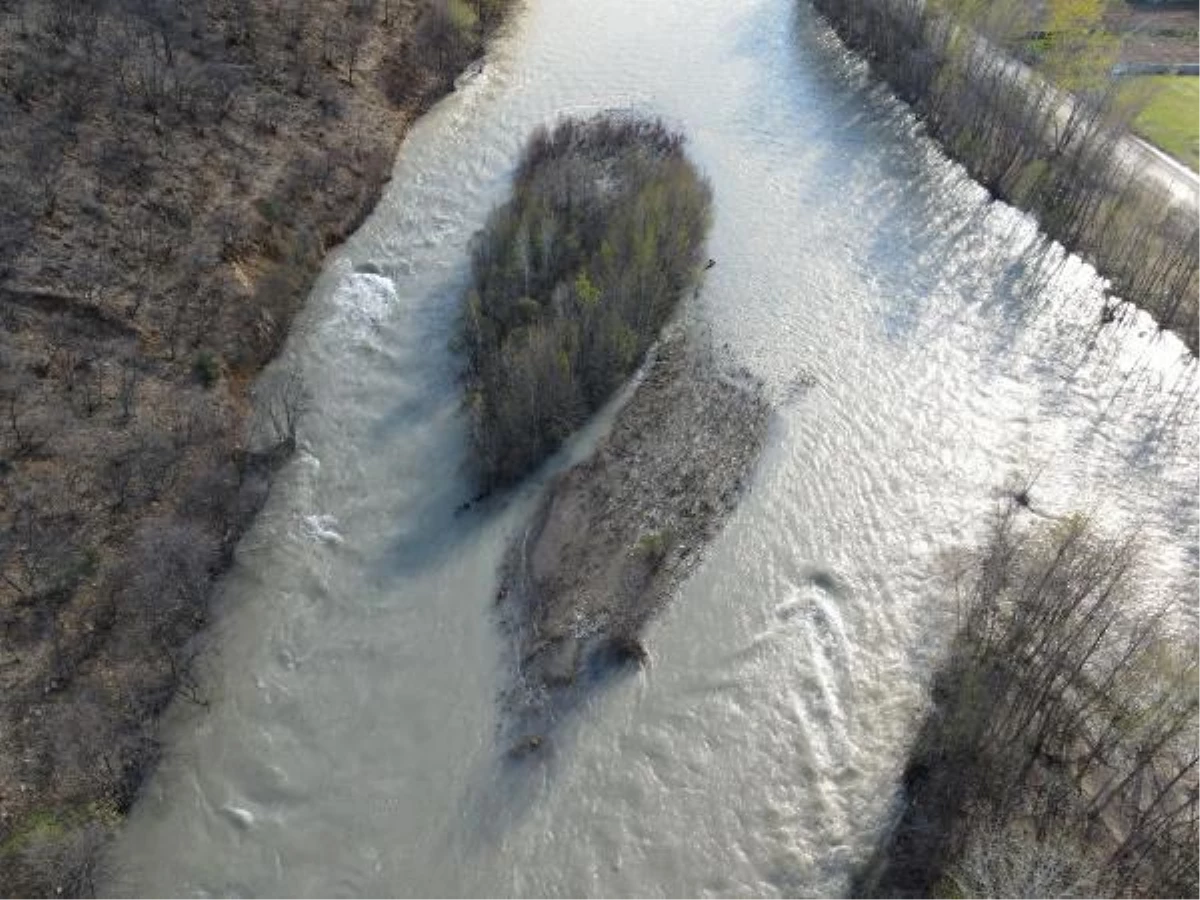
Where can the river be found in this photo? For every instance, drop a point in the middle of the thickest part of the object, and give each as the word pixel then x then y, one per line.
pixel 919 344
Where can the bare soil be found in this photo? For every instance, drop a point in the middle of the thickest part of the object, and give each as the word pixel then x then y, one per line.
pixel 615 535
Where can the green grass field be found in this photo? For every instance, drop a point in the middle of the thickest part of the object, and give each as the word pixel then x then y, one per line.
pixel 1171 117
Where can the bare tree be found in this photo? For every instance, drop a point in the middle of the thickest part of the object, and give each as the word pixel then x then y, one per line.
pixel 283 400
pixel 19 404
pixel 127 387
pixel 1009 863
pixel 1060 758
pixel 169 567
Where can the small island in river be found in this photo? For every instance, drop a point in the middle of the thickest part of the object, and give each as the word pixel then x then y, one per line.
pixel 574 279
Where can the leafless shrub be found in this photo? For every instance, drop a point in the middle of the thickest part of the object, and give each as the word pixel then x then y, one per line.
pixel 168 571
pixel 1009 864
pixel 40 552
pixel 283 400
pixel 23 417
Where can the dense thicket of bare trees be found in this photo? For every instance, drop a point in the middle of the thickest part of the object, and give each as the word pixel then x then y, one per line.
pixel 1060 756
pixel 1046 139
pixel 454 31
pixel 573 278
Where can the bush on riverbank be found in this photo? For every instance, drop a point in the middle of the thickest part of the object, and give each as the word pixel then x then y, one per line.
pixel 572 280
pixel 1060 756
pixel 1009 127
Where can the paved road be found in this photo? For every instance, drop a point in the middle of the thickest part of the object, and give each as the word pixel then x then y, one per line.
pixel 1182 182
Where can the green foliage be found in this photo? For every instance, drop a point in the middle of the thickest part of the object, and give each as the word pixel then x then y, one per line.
pixel 44 825
pixel 82 565
pixel 462 16
pixel 271 209
pixel 207 369
pixel 452 33
pixel 41 824
pixel 573 278
pixel 1077 53
pixel 491 11
pixel 1169 117
pixel 653 547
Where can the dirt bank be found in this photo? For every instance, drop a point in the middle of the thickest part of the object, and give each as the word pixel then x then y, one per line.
pixel 615 535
